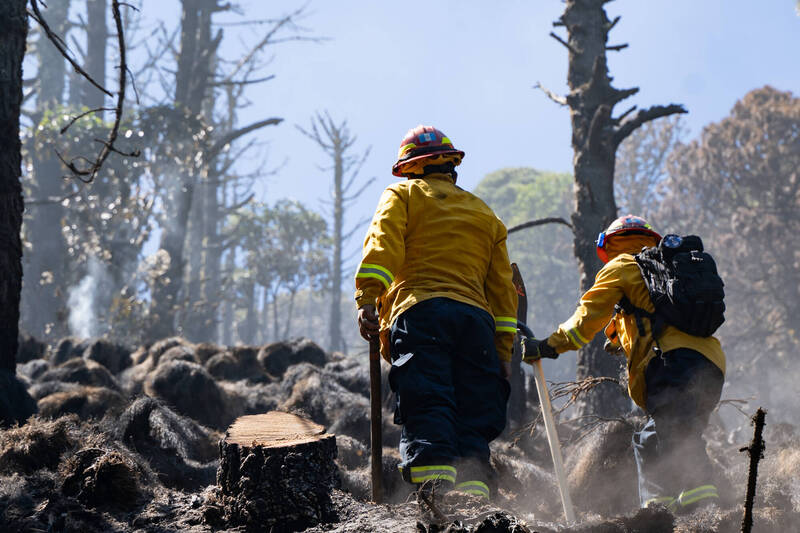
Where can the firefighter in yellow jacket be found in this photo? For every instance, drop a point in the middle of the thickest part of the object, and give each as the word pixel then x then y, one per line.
pixel 435 284
pixel 677 379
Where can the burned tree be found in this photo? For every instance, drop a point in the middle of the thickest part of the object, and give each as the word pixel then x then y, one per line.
pixel 193 171
pixel 44 264
pixel 596 134
pixel 13 31
pixel 336 140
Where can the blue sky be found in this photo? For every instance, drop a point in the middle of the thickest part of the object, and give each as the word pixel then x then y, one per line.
pixel 468 67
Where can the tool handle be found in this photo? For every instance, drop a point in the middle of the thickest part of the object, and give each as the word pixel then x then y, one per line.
pixel 552 440
pixel 376 421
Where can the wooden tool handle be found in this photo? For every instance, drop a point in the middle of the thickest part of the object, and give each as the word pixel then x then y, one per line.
pixel 375 419
pixel 552 440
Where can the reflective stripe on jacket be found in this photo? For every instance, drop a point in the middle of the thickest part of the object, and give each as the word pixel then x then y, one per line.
pixel 428 239
pixel 621 277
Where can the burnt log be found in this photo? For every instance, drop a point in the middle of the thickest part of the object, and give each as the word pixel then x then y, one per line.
pixel 276 473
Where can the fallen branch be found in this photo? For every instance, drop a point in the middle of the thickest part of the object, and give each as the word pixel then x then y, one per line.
pixel 573 390
pixel 430 502
pixel 756 451
pixel 736 403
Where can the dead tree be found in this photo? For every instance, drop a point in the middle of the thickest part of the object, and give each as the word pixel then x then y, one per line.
pixel 45 272
pixel 13 32
pixel 336 141
pixel 96 36
pixel 15 403
pixel 201 71
pixel 596 134
pixel 191 84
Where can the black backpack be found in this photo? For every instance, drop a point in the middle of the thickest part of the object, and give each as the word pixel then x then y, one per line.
pixel 684 287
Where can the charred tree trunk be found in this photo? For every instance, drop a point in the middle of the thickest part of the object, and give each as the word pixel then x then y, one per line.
pixel 227 306
pixel 276 473
pixel 45 287
pixel 210 259
pixel 596 134
pixel 193 276
pixel 15 403
pixel 96 35
pixel 247 330
pixel 191 85
pixel 14 25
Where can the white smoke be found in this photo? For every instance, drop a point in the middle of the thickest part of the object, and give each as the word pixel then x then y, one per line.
pixel 83 300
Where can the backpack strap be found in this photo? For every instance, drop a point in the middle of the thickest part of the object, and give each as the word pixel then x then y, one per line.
pixel 656 322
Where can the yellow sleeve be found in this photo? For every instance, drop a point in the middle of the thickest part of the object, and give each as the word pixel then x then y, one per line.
pixel 502 298
pixel 594 311
pixel 384 247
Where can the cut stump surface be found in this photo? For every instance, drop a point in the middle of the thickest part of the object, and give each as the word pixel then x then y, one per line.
pixel 273 429
pixel 277 471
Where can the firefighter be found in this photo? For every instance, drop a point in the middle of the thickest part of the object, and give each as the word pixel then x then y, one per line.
pixel 435 285
pixel 677 378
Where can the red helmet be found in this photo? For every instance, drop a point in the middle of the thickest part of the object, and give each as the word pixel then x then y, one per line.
pixel 624 225
pixel 422 142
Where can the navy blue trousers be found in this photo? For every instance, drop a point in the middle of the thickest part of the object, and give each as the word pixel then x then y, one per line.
pixel 683 387
pixel 451 398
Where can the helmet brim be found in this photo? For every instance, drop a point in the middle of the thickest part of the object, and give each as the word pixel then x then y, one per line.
pixel 398 166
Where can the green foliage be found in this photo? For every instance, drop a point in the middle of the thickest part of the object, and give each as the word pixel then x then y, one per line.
pixel 286 248
pixel 543 253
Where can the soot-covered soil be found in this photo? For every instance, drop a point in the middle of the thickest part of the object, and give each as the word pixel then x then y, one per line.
pixel 128 440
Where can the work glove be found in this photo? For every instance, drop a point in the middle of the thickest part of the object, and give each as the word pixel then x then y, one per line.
pixel 535 349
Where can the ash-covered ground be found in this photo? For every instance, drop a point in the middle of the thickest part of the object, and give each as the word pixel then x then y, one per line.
pixel 128 441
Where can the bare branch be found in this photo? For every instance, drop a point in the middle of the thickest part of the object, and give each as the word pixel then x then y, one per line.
pixel 617 47
pixel 625 114
pixel 539 222
pixel 359 191
pixel 217 147
pixel 557 98
pixel 51 200
pixel 645 115
pixel 59 44
pixel 562 41
pixel 77 118
pixel 622 94
pixel 613 23
pixel 240 82
pixel 88 173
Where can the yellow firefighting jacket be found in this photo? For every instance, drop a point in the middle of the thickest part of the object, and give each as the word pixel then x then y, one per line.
pixel 428 239
pixel 621 277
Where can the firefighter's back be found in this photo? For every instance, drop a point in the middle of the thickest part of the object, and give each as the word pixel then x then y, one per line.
pixel 449 240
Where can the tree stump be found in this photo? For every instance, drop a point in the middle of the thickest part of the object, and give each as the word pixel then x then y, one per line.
pixel 276 473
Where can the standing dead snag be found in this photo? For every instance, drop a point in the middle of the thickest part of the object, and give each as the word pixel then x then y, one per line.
pixel 336 140
pixel 596 134
pixel 276 471
pixel 756 452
